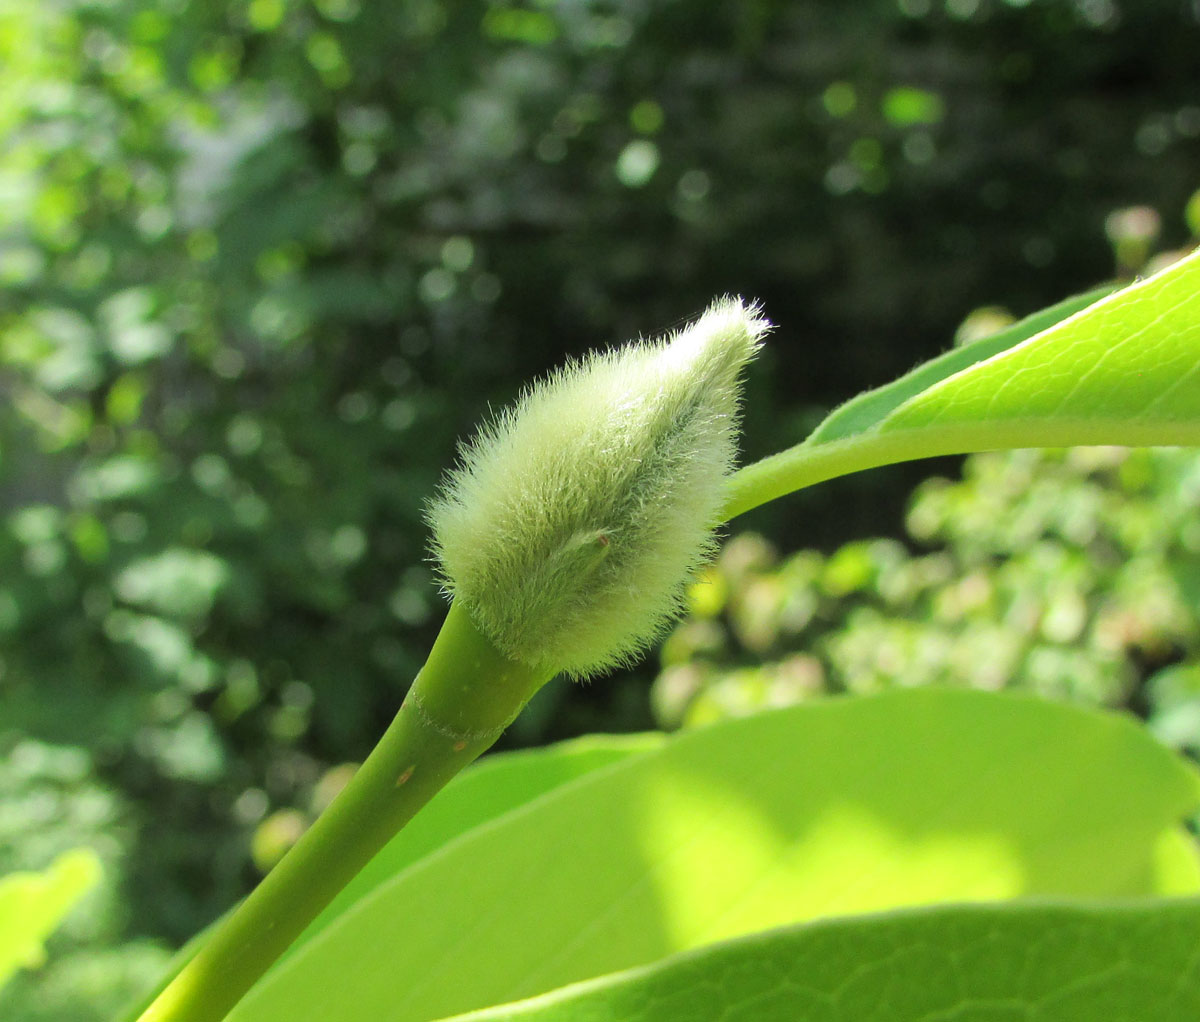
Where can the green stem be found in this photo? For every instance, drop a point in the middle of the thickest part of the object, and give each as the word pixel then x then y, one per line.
pixel 806 465
pixel 467 693
pixel 809 463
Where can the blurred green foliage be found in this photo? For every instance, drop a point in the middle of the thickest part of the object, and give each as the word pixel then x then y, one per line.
pixel 33 904
pixel 262 262
pixel 1074 574
pixel 56 813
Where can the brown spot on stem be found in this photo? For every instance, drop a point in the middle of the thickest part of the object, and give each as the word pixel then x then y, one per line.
pixel 403 778
pixel 460 745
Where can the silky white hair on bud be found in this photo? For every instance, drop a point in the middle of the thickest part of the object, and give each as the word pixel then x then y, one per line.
pixel 575 519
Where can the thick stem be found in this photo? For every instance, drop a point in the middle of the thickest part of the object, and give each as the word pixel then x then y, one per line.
pixel 461 701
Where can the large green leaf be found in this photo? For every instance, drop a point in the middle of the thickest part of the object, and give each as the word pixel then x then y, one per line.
pixel 837 807
pixel 489 789
pixel 997 963
pixel 1124 370
pixel 484 791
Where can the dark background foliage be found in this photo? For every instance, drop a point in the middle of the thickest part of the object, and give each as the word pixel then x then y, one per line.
pixel 261 263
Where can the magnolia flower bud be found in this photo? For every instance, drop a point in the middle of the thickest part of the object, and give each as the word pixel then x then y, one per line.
pixel 574 520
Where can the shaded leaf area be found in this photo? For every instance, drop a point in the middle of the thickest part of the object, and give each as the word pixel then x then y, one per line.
pixel 751 824
pixel 1003 963
pixel 486 791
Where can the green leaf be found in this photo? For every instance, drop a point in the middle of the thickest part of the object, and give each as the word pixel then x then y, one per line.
pixel 1127 370
pixel 33 904
pixel 488 789
pixel 1124 370
pixel 483 792
pixel 837 807
pixel 1002 963
pixel 870 408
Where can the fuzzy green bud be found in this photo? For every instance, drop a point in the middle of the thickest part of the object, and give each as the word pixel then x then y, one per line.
pixel 575 519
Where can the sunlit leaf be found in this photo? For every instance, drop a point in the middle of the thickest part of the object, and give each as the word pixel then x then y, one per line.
pixel 828 809
pixel 873 406
pixel 1124 370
